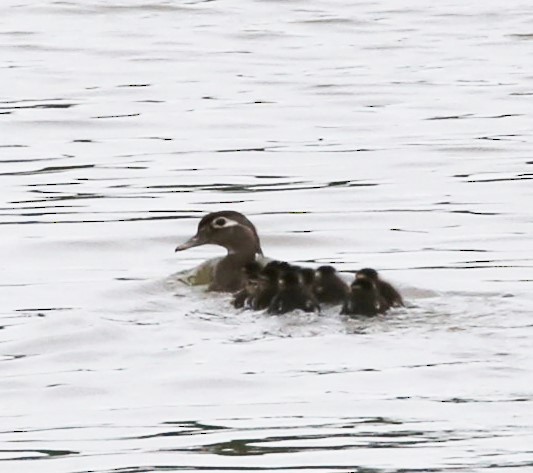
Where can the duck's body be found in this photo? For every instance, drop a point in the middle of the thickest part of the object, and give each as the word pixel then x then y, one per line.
pixel 234 232
pixel 228 275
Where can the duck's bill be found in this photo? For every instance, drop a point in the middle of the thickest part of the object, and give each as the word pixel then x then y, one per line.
pixel 191 243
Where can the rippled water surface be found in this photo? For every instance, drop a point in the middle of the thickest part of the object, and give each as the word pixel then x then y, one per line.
pixel 389 134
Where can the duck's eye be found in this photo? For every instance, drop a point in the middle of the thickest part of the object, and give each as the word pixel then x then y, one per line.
pixel 220 222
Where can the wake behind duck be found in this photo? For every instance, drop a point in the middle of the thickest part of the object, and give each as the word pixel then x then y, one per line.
pixel 278 286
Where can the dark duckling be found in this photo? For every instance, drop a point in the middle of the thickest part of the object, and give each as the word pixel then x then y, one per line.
pixel 267 286
pixel 364 298
pixel 329 288
pixel 389 294
pixel 292 295
pixel 307 279
pixel 307 276
pixel 248 292
pixel 234 232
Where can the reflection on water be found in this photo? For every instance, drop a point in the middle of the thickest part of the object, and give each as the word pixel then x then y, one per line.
pixel 357 135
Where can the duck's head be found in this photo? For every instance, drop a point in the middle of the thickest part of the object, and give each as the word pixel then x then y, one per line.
pixel 229 229
pixel 251 270
pixel 323 273
pixel 251 273
pixel 268 277
pixel 367 273
pixel 363 282
pixel 289 278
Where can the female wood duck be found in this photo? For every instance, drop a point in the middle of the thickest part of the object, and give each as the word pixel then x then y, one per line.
pixel 234 232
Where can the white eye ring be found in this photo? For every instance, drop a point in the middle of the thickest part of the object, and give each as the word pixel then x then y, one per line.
pixel 219 222
pixel 222 222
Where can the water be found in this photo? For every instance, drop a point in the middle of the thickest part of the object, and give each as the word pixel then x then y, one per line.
pixel 358 134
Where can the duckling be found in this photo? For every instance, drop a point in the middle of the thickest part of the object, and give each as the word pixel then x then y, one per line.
pixel 329 287
pixel 234 232
pixel 308 278
pixel 389 294
pixel 267 286
pixel 268 283
pixel 364 298
pixel 291 295
pixel 251 275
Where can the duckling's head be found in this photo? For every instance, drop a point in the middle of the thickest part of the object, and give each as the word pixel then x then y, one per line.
pixel 367 273
pixel 229 229
pixel 251 273
pixel 270 274
pixel 274 265
pixel 289 278
pixel 283 266
pixel 251 270
pixel 324 273
pixel 363 282
pixel 326 270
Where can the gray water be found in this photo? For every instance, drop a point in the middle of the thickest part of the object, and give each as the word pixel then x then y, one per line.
pixel 384 134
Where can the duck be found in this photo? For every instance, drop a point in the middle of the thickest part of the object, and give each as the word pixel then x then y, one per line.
pixel 328 287
pixel 234 232
pixel 292 295
pixel 256 284
pixel 363 299
pixel 390 296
